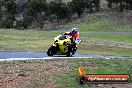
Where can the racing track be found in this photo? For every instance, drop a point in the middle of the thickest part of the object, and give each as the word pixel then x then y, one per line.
pixel 10 55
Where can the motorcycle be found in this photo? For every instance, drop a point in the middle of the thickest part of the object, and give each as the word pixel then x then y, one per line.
pixel 62 46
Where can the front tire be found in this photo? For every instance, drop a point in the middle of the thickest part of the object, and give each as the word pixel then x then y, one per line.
pixel 51 51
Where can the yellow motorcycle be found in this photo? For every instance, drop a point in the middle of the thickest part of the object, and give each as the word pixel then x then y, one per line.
pixel 62 46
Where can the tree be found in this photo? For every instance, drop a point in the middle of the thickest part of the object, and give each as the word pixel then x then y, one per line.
pixel 121 2
pixel 128 4
pixel 8 13
pixel 92 4
pixel 96 4
pixel 0 10
pixel 77 6
pixel 36 6
pixel 59 9
pixel 34 10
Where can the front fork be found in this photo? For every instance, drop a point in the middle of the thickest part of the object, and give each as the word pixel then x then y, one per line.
pixel 57 47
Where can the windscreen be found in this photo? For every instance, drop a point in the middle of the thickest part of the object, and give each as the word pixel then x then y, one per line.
pixel 62 37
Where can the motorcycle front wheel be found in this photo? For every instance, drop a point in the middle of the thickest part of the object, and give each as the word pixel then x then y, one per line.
pixel 51 51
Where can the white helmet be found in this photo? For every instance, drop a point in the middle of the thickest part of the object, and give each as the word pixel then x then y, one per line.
pixel 74 30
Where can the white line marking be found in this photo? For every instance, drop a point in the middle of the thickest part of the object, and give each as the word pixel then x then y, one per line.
pixel 11 59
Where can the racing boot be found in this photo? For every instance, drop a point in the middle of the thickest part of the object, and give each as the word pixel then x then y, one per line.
pixel 70 50
pixel 74 50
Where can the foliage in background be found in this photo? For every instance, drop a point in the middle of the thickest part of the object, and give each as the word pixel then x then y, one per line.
pixel 59 9
pixel 8 11
pixel 22 13
pixel 122 4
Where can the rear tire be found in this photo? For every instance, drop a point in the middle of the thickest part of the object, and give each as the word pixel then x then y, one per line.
pixel 71 51
pixel 51 51
pixel 69 54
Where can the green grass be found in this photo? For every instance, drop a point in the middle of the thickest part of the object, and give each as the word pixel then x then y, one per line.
pixel 101 50
pixel 28 40
pixel 112 66
pixel 101 22
pixel 68 80
pixel 66 77
pixel 120 38
pixel 40 41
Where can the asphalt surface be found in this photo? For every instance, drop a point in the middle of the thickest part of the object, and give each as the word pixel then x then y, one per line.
pixel 10 55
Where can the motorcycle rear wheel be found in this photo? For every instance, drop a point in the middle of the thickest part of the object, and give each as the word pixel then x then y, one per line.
pixel 69 55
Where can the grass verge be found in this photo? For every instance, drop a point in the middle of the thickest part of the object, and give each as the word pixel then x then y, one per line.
pixel 40 41
pixel 58 73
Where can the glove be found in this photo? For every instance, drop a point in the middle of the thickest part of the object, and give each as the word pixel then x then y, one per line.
pixel 65 34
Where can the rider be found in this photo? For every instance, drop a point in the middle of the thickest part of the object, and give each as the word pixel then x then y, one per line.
pixel 75 38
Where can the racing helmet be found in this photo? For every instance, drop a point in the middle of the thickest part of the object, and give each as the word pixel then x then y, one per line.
pixel 74 30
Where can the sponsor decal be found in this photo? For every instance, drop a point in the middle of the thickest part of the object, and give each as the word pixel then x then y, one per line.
pixel 83 78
